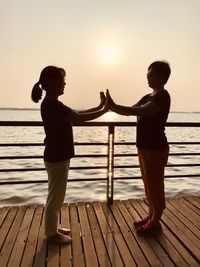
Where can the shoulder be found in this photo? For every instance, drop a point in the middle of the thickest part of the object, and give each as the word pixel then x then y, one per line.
pixel 163 94
pixel 54 103
pixel 64 107
pixel 54 107
pixel 144 99
pixel 162 98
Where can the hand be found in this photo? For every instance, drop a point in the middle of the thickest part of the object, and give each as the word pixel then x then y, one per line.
pixel 107 105
pixel 102 98
pixel 109 98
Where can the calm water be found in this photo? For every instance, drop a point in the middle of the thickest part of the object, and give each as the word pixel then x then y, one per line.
pixel 88 191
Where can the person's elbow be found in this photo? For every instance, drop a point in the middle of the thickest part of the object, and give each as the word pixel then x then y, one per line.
pixel 73 116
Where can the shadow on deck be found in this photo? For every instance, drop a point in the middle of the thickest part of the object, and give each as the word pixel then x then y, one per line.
pixel 102 235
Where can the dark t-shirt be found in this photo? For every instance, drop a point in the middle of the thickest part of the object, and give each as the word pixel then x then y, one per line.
pixel 59 145
pixel 151 129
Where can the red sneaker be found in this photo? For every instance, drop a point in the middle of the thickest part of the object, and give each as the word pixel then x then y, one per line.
pixel 141 222
pixel 150 229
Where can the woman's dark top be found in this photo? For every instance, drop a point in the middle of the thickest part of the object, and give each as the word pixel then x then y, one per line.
pixel 151 128
pixel 59 145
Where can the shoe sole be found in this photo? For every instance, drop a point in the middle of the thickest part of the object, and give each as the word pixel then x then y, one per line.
pixel 153 233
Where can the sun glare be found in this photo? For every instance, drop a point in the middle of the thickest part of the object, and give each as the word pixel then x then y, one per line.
pixel 109 53
pixel 110 116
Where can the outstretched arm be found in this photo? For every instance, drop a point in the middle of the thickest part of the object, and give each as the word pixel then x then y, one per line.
pixel 76 116
pixel 137 110
pixel 99 107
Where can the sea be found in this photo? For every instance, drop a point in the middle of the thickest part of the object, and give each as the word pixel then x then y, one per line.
pixel 25 194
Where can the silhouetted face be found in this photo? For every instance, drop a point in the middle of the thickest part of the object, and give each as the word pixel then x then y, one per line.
pixel 154 80
pixel 57 85
pixel 61 85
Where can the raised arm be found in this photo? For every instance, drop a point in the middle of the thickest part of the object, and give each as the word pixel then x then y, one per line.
pixel 136 110
pixel 77 116
pixel 99 107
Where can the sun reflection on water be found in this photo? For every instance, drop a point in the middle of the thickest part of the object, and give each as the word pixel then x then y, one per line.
pixel 110 116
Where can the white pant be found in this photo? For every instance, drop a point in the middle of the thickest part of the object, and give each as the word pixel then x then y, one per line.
pixel 57 183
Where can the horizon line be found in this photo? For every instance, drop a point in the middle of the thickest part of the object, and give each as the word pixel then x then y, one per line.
pixel 16 108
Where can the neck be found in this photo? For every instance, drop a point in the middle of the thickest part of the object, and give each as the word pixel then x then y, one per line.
pixel 157 89
pixel 50 95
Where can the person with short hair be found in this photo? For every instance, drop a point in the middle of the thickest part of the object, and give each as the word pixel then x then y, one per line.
pixel 152 112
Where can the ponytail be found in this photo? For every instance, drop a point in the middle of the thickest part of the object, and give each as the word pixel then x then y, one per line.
pixel 36 93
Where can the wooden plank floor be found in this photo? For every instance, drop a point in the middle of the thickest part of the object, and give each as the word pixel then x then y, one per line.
pixel 102 236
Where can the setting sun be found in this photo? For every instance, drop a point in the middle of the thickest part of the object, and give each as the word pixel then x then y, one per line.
pixel 109 53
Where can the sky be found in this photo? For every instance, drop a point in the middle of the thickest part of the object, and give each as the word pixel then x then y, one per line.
pixel 101 44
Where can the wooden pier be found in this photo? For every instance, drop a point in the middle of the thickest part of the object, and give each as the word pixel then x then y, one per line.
pixel 103 235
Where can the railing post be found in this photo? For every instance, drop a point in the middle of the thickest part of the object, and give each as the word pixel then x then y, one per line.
pixel 110 164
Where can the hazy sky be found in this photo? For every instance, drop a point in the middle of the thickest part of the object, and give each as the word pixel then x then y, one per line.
pixel 101 44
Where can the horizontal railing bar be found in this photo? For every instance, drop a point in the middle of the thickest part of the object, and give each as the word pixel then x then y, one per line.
pixel 184 154
pixel 95 156
pixel 21 144
pixel 43 169
pixel 93 144
pixel 96 167
pixel 22 170
pixel 182 176
pixel 170 154
pixel 45 181
pixel 42 144
pixel 39 157
pixel 184 143
pixel 170 143
pixel 21 123
pixel 97 123
pixel 168 165
pixel 21 157
pixel 166 176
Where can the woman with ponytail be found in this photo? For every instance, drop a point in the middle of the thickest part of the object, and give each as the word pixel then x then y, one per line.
pixel 59 146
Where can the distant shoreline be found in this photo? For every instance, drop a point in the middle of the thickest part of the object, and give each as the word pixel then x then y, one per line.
pixel 30 109
pixel 19 109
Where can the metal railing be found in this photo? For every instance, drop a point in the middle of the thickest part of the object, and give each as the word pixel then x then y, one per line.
pixel 110 143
